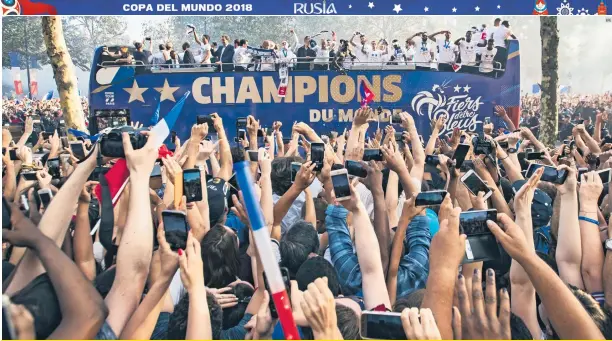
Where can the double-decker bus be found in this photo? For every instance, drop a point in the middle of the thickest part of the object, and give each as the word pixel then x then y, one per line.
pixel 326 100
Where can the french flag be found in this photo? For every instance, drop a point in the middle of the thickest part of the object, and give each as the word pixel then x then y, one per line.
pixel 367 96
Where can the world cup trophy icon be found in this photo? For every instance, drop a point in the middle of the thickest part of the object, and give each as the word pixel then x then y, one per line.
pixel 10 7
pixel 540 8
pixel 602 9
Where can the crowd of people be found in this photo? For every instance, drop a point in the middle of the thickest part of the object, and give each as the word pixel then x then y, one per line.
pixel 479 50
pixel 157 265
pixel 591 110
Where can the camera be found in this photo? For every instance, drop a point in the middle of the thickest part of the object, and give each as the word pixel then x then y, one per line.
pixel 482 146
pixel 111 143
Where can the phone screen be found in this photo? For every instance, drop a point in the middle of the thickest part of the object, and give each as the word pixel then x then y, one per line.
pixel 242 134
pixel 475 184
pixel 341 185
pixel 13 154
pixel 78 150
pixel 6 214
pixel 45 198
pixel 535 156
pixel 372 155
pixel 475 222
pixel 503 144
pixel 432 198
pixel 241 123
pixel 605 175
pixel 460 154
pixel 382 326
pixel 396 119
pixel 355 168
pixel 192 184
pixel 295 168
pixel 253 155
pixel 175 228
pixel 550 173
pixel 317 155
pixel 30 176
pixel 53 166
pixel 432 160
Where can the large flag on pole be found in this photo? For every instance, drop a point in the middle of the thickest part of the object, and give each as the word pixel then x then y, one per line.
pixel 16 71
pixel 34 66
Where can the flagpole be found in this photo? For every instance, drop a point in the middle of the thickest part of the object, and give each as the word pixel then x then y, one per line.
pixel 27 52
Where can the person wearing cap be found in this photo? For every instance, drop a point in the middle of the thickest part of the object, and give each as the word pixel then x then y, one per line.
pixel 125 58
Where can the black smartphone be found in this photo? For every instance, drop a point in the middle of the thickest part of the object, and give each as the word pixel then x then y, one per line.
pixel 261 133
pixel 201 119
pixel 535 156
pixel 460 154
pixel 13 154
pixel 295 168
pixel 269 132
pixel 53 166
pixel 372 154
pixel 487 120
pixel 432 198
pixel 6 214
pixel 432 160
pixel 605 175
pixel 582 171
pixel 30 176
pixel 399 136
pixel 242 135
pixel 395 119
pixel 45 196
pixel 550 173
pixel 286 140
pixel 155 180
pixel 317 155
pixel 78 150
pixel 503 144
pixel 46 135
pixel 241 123
pixel 355 168
pixel 467 165
pixel 474 184
pixel 175 228
pixel 173 137
pixel 192 184
pixel 566 142
pixel 253 155
pixel 481 244
pixel 64 141
pixel 381 325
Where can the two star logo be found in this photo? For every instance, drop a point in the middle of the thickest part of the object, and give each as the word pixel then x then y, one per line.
pixel 136 92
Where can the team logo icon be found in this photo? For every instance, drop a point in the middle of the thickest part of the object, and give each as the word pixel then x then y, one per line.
pixel 26 7
pixel 540 8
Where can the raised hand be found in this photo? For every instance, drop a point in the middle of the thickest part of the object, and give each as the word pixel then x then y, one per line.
pixel 192 267
pixel 199 132
pixel 44 179
pixel 407 120
pixel 500 111
pixel 393 158
pixel 447 246
pixel 305 176
pixel 570 184
pixel 590 189
pixel 479 319
pixel 206 149
pixel 361 117
pixel 173 169
pixel 252 126
pixel 222 297
pixel 319 309
pixel 136 125
pixel 374 180
pixel 420 325
pixel 524 197
pixel 25 155
pixel 23 232
pixel 265 163
pixel 511 237
pixel 217 123
pixel 140 162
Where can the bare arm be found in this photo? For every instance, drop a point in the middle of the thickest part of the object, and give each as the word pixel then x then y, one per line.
pixel 309 209
pixel 592 253
pixel 83 245
pixel 225 153
pixel 374 183
pixel 607 279
pixel 391 199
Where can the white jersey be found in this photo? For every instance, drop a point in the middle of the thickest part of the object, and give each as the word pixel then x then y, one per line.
pixel 487 59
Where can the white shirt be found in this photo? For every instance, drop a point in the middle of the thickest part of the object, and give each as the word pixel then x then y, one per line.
pixel 484 36
pixel 362 52
pixel 322 56
pixel 422 55
pixel 468 52
pixel 158 58
pixel 410 53
pixel 500 35
pixel 375 57
pixel 268 63
pixel 287 56
pixel 486 61
pixel 446 51
pixel 295 211
pixel 205 48
pixel 241 57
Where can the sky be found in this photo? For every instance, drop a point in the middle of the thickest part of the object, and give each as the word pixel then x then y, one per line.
pixel 136 22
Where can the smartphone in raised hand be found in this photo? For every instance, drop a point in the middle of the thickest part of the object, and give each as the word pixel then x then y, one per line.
pixel 192 184
pixel 175 228
pixel 317 155
pixel 551 174
pixel 372 154
pixel 355 168
pixel 460 154
pixel 295 168
pixel 431 198
pixel 340 181
pixel 474 184
pixel 480 244
pixel 381 325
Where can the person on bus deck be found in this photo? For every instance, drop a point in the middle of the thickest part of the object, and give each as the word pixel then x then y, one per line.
pixel 268 62
pixel 500 36
pixel 286 55
pixel 242 57
pixel 410 52
pixel 188 58
pixel 305 55
pixel 169 48
pixel 467 52
pixel 236 43
pixel 447 51
pixel 158 57
pixel 424 53
pixel 142 55
pixel 362 49
pixel 125 58
pixel 174 60
pixel 321 62
pixel 225 55
pixel 205 47
pixel 488 57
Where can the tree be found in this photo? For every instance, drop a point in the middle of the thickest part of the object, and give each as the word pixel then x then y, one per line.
pixel 16 30
pixel 63 72
pixel 550 79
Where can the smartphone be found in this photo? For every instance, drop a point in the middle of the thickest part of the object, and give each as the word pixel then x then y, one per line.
pixel 8 328
pixel 173 137
pixel 474 184
pixel 192 184
pixel 155 180
pixel 503 144
pixel 381 325
pixel 30 176
pixel 395 119
pixel 372 155
pixel 460 154
pixel 529 150
pixel 45 196
pixel 582 171
pixel 355 168
pixel 64 141
pixel 480 244
pixel 13 154
pixel 53 166
pixel 340 181
pixel 241 123
pixel 432 160
pixel 6 214
pixel 46 135
pixel 535 156
pixel 467 165
pixel 487 120
pixel 605 175
pixel 78 150
pixel 253 155
pixel 201 119
pixel 242 135
pixel 175 228
pixel 295 168
pixel 399 136
pixel 432 198
pixel 317 155
pixel 550 173
pixel 566 142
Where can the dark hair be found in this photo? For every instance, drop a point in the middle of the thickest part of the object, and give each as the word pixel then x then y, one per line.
pixel 137 45
pixel 238 154
pixel 518 328
pixel 162 47
pixel 281 173
pixel 177 324
pixel 104 281
pixel 505 23
pixel 412 300
pixel 320 206
pixel 297 244
pixel 237 41
pixel 497 21
pixel 186 45
pixel 348 323
pixel 220 257
pixel 317 267
pixel 40 299
pixel 243 41
pixel 600 316
pixel 207 38
pixel 233 315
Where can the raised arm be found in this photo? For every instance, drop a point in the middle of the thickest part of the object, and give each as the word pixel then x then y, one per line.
pixel 417 149
pixel 607 280
pixel 303 179
pixel 431 143
pixel 82 243
pixel 592 253
pixel 500 111
pixel 586 137
pixel 265 183
pixel 27 131
pixel 225 154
